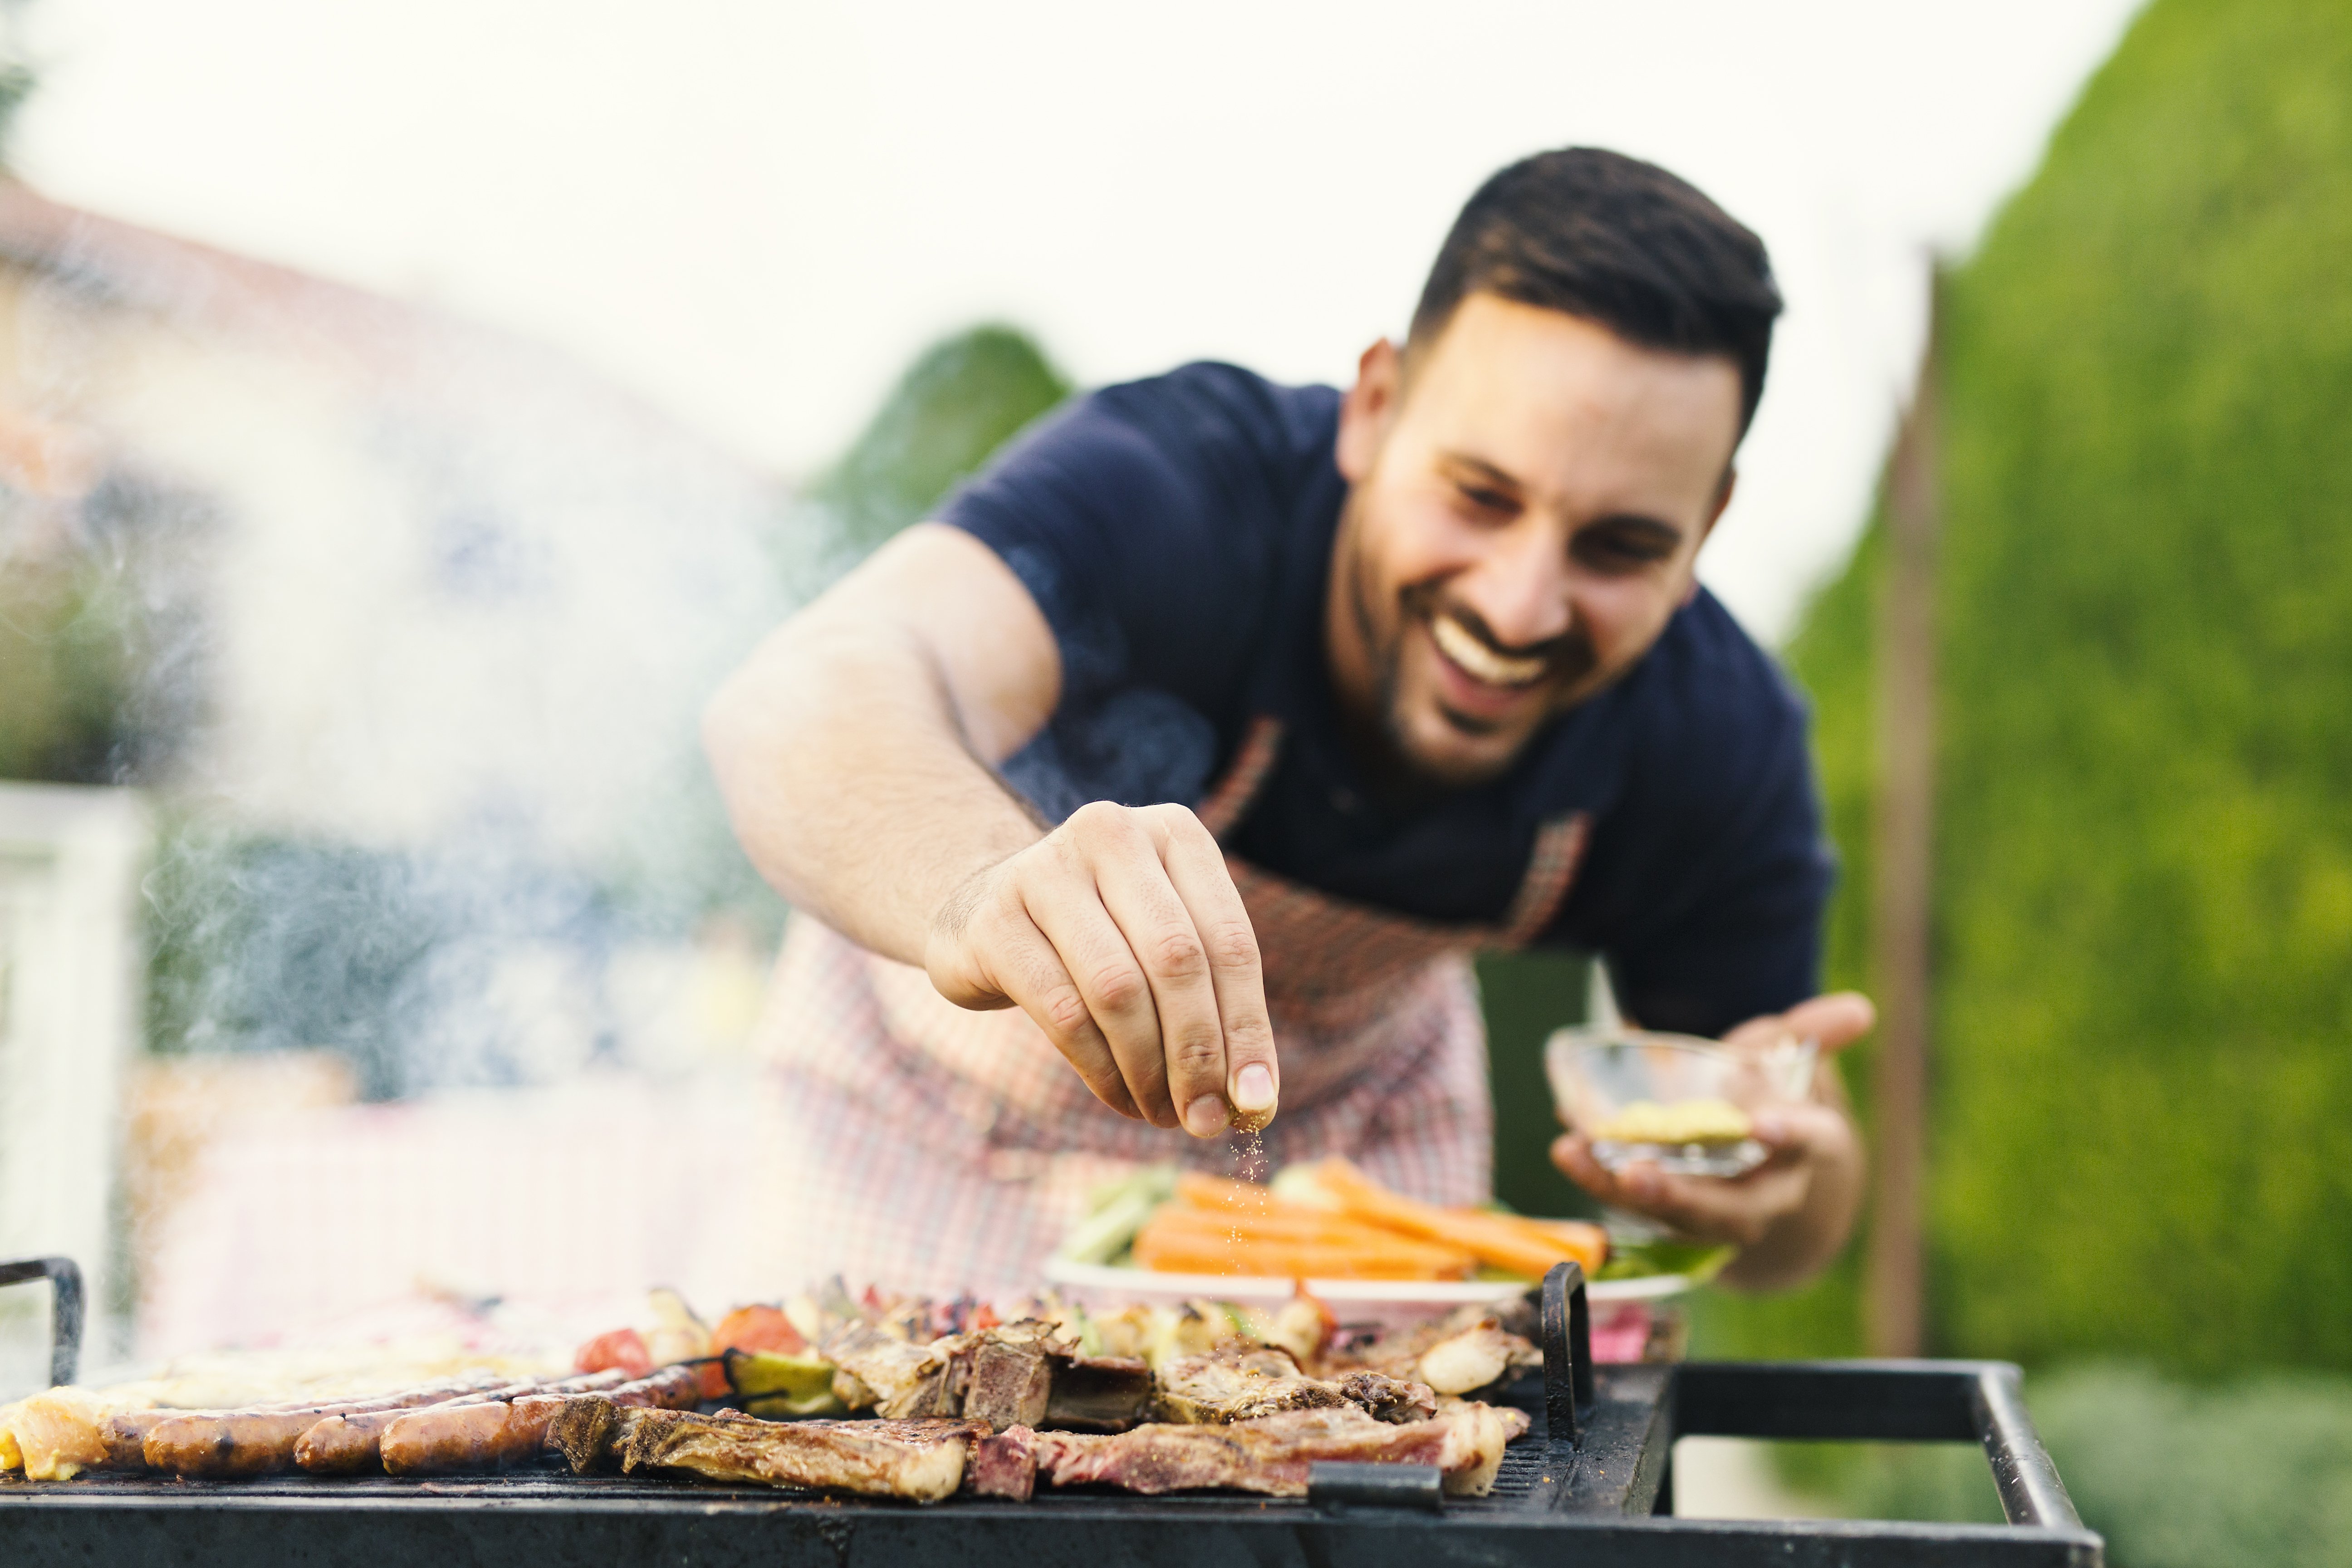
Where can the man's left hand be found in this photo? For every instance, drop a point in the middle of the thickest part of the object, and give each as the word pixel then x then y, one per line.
pixel 1791 1213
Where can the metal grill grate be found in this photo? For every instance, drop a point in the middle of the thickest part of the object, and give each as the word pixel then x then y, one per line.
pixel 1524 1465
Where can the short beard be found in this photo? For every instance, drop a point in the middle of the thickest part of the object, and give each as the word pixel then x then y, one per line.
pixel 1572 659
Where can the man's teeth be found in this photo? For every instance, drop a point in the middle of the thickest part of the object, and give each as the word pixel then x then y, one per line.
pixel 1481 661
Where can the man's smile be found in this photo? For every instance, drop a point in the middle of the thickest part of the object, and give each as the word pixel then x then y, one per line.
pixel 1464 647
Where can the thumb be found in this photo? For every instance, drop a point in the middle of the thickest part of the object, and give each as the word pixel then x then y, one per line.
pixel 1836 1020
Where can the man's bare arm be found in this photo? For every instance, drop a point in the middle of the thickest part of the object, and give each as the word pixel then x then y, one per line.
pixel 856 772
pixel 855 749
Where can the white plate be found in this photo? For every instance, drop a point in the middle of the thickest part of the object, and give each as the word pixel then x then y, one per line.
pixel 1379 1300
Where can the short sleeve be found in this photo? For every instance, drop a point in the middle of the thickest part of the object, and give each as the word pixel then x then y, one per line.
pixel 1144 521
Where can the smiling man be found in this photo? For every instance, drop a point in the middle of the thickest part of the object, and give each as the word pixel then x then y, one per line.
pixel 1178 768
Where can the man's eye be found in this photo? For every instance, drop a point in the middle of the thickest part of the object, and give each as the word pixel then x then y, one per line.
pixel 1487 501
pixel 1619 552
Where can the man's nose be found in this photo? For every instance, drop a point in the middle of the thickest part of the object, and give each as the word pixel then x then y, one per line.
pixel 1520 586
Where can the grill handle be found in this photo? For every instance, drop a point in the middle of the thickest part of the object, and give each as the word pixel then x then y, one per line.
pixel 64 1309
pixel 1565 1323
pixel 1333 1482
pixel 1885 1401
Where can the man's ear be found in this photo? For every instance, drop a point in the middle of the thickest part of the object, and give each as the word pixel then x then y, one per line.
pixel 1722 500
pixel 1368 410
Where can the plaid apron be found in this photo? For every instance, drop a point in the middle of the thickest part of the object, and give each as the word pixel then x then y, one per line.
pixel 928 1148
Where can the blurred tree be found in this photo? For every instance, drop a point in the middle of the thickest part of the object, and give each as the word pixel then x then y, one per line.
pixel 99 651
pixel 963 398
pixel 2144 965
pixel 64 675
pixel 18 76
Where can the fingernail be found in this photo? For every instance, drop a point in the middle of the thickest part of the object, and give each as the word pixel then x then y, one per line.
pixel 1252 1088
pixel 1206 1117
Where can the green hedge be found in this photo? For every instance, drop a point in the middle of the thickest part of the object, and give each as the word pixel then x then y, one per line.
pixel 2255 1472
pixel 962 398
pixel 2144 909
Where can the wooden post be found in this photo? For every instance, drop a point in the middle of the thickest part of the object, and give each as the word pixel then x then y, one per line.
pixel 1902 896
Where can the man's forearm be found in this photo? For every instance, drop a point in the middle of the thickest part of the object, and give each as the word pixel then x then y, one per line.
pixel 851 785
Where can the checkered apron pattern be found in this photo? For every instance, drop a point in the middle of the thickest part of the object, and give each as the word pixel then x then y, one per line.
pixel 930 1147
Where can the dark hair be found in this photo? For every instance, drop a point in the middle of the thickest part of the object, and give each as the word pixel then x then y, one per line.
pixel 1617 241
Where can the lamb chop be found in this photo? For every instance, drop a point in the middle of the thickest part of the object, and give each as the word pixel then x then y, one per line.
pixel 1271 1453
pixel 920 1460
pixel 897 1380
pixel 1234 1384
pixel 1015 1373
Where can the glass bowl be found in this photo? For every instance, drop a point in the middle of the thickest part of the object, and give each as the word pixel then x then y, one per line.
pixel 1678 1101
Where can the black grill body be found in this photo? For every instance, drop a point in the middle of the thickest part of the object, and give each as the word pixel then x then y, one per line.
pixel 1591 1484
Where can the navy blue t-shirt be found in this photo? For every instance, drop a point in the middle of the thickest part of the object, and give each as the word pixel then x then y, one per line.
pixel 1177 534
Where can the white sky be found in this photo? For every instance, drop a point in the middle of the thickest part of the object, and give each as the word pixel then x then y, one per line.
pixel 754 213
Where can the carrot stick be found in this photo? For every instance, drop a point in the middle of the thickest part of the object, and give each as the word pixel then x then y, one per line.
pixel 1493 1238
pixel 1284 1260
pixel 1208 1226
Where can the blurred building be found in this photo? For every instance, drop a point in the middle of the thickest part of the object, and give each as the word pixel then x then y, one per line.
pixel 70 864
pixel 404 627
pixel 425 573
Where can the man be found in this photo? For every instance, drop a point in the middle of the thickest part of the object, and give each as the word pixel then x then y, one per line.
pixel 1176 769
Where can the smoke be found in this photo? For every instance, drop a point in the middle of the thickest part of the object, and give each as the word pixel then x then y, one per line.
pixel 428 717
pixel 402 629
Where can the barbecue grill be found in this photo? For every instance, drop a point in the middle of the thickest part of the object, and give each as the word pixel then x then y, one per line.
pixel 1591 1483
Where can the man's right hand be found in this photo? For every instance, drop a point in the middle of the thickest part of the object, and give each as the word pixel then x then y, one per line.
pixel 857 747
pixel 1121 934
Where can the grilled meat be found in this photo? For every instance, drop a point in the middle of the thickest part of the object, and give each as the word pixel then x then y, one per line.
pixel 893 1378
pixel 1236 1385
pixel 903 1381
pixel 1098 1393
pixel 1271 1453
pixel 920 1460
pixel 581 1430
pixel 1012 1382
pixel 1004 1466
pixel 1387 1398
pixel 1239 1385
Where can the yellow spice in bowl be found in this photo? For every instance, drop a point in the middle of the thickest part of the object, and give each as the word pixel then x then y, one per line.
pixel 1684 1121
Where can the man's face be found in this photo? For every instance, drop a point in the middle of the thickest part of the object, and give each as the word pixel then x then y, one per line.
pixel 1524 512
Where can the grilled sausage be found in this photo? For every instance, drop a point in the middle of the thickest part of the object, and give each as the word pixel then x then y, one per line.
pixel 225 1445
pixel 353 1444
pixel 448 1438
pixel 479 1435
pixel 126 1432
pixel 350 1445
pixel 461 1437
